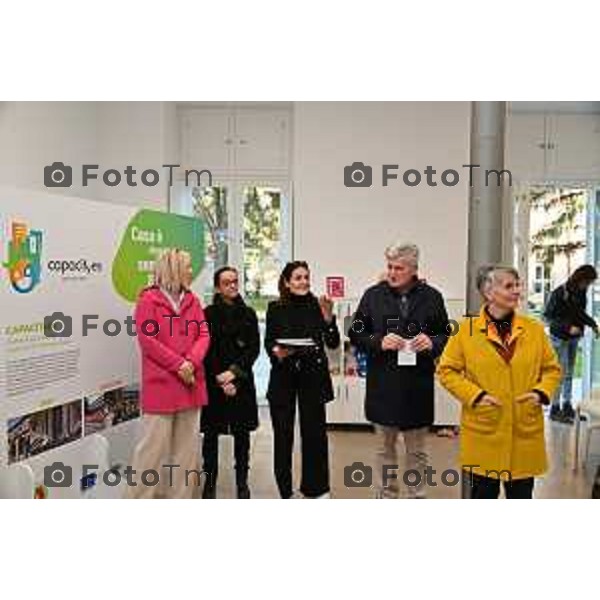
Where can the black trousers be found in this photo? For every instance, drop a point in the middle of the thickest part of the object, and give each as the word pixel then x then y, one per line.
pixel 315 451
pixel 241 450
pixel 479 487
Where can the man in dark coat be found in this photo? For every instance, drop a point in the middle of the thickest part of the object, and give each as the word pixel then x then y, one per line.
pixel 232 409
pixel 402 325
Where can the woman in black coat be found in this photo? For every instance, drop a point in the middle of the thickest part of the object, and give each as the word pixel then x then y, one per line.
pixel 300 375
pixel 235 345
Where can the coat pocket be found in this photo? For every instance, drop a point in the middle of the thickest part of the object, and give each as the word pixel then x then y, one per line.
pixel 529 419
pixel 483 419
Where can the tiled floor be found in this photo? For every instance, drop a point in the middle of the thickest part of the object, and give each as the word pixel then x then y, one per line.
pixel 347 447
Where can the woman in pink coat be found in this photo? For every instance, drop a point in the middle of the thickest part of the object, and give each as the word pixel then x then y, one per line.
pixel 174 338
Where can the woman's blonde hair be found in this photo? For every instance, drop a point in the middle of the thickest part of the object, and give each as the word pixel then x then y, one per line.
pixel 169 270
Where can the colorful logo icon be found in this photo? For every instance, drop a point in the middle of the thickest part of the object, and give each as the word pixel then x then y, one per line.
pixel 24 262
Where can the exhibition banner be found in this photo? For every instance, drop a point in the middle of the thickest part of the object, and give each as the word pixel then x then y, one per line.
pixel 70 272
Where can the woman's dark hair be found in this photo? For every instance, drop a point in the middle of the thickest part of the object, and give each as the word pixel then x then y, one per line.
pixel 219 272
pixel 584 274
pixel 286 275
pixel 217 280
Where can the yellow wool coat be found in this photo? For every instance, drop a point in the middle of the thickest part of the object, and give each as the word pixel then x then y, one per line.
pixel 506 441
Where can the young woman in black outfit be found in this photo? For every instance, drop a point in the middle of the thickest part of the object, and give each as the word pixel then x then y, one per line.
pixel 235 345
pixel 300 376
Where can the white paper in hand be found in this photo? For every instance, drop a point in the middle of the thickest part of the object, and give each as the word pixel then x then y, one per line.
pixel 407 357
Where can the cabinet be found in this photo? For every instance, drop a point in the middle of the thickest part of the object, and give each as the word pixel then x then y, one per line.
pixel 529 149
pixel 545 147
pixel 261 140
pixel 577 146
pixel 230 140
pixel 347 374
pixel 205 138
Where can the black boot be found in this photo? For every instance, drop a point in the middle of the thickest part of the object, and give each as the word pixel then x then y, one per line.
pixel 241 480
pixel 568 414
pixel 555 413
pixel 210 487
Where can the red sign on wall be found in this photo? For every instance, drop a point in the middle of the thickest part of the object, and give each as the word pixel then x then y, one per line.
pixel 335 286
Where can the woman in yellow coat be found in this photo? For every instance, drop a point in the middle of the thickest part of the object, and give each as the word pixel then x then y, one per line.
pixel 502 368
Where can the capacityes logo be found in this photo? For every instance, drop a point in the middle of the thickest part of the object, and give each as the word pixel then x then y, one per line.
pixel 24 257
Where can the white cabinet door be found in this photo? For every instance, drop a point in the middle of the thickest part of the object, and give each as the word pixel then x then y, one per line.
pixel 446 408
pixel 577 147
pixel 526 153
pixel 334 408
pixel 356 399
pixel 261 140
pixel 348 406
pixel 207 139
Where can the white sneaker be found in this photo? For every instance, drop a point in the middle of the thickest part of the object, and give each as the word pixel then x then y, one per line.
pixel 386 494
pixel 299 495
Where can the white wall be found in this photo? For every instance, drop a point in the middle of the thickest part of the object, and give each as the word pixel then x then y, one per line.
pixel 344 231
pixel 111 134
pixel 35 134
pixel 140 134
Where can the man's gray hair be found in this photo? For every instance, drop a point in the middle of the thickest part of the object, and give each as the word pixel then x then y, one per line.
pixel 487 276
pixel 406 252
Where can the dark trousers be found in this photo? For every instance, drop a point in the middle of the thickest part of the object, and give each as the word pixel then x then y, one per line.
pixel 478 487
pixel 241 450
pixel 315 452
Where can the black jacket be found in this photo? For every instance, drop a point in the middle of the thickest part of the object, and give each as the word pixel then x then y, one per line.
pixel 306 372
pixel 566 308
pixel 234 346
pixel 400 396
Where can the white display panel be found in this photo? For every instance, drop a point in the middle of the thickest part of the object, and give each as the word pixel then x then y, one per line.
pixel 73 257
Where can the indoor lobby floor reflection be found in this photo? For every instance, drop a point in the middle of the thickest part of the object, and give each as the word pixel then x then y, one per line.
pixel 348 447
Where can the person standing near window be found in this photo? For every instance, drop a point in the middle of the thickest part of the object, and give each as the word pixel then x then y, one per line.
pixel 174 338
pixel 232 405
pixel 299 326
pixel 501 366
pixel 566 315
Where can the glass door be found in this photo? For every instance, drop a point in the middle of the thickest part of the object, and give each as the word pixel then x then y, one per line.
pixel 211 204
pixel 264 246
pixel 552 237
pixel 591 382
pixel 247 226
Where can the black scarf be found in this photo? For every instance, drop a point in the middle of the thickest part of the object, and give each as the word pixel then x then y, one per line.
pixel 228 316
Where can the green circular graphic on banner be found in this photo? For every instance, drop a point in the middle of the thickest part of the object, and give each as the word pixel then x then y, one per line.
pixel 148 234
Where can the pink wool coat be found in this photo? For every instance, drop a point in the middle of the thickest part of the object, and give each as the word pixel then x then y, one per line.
pixel 181 336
